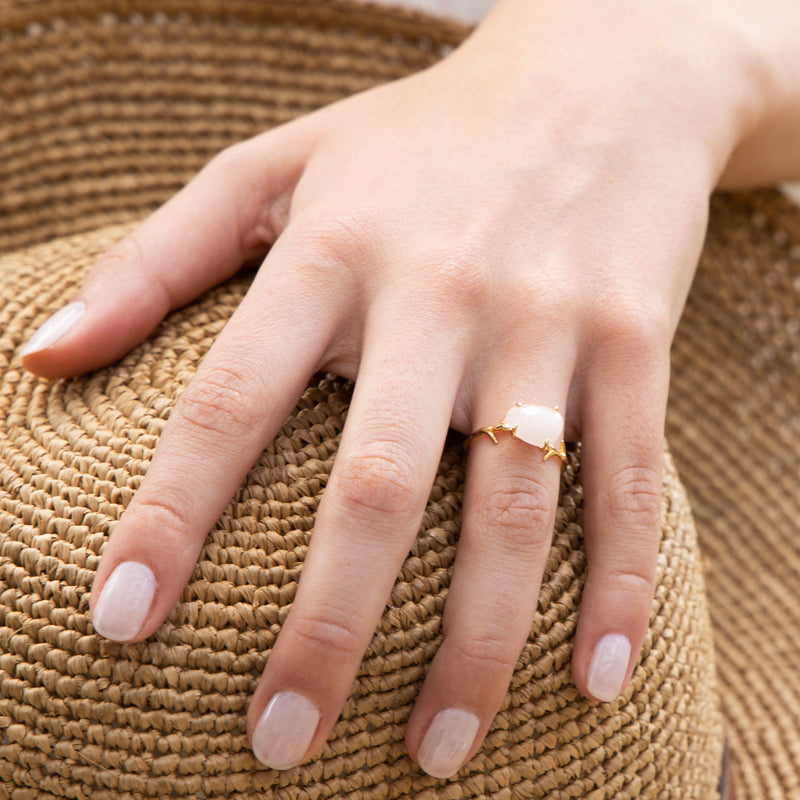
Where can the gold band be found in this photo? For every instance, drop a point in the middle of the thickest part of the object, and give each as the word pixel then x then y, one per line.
pixel 532 431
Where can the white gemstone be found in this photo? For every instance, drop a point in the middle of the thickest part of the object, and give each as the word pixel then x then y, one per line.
pixel 536 425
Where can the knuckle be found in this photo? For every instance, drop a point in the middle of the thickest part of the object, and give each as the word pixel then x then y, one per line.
pixel 460 277
pixel 233 168
pixel 331 253
pixel 125 261
pixel 230 159
pixel 486 652
pixel 218 402
pixel 635 325
pixel 378 480
pixel 165 512
pixel 121 256
pixel 635 493
pixel 633 579
pixel 341 240
pixel 520 514
pixel 324 631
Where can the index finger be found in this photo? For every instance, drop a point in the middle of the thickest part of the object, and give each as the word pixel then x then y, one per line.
pixel 244 390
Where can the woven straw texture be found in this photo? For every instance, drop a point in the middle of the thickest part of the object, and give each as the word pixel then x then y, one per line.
pixel 90 718
pixel 734 425
pixel 107 108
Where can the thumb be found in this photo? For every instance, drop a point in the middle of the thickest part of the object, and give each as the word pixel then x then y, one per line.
pixel 228 214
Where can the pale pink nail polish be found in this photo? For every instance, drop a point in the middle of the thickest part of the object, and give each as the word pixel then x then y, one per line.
pixel 124 602
pixel 285 730
pixel 608 667
pixel 447 741
pixel 54 328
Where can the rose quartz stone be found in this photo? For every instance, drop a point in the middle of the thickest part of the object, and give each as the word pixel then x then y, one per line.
pixel 536 425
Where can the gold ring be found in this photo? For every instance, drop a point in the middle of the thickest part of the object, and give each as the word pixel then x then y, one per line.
pixel 538 426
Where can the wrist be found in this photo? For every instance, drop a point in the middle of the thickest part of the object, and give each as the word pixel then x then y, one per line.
pixel 767 150
pixel 727 80
pixel 693 73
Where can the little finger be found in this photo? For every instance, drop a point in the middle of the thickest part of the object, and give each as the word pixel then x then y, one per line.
pixel 621 464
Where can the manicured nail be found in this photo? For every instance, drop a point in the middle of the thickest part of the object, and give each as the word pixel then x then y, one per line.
pixel 608 667
pixel 447 742
pixel 54 328
pixel 285 730
pixel 124 602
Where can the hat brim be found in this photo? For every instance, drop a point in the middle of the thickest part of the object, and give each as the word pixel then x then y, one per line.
pixel 101 123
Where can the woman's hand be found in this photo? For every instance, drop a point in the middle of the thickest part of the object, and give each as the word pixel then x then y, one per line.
pixel 519 223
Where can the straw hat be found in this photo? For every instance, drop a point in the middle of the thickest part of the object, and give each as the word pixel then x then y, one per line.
pixel 108 106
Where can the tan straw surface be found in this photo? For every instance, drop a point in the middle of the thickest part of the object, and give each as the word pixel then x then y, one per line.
pixel 734 425
pixel 108 107
pixel 85 717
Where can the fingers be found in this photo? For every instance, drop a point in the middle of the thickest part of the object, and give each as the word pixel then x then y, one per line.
pixel 228 214
pixel 621 467
pixel 508 518
pixel 239 398
pixel 510 502
pixel 366 523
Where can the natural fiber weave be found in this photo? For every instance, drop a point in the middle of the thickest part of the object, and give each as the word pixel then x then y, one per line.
pixel 88 717
pixel 107 107
pixel 734 424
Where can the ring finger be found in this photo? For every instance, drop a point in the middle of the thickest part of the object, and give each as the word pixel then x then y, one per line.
pixel 509 512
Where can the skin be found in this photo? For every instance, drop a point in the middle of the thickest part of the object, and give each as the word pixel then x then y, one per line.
pixel 520 222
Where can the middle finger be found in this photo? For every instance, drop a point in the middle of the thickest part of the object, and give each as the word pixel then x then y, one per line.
pixel 366 523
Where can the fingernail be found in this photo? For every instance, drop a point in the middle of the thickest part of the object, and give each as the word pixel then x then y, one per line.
pixel 447 742
pixel 124 602
pixel 54 328
pixel 285 730
pixel 608 667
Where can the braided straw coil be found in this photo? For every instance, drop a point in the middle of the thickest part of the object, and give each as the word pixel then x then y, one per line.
pixel 108 107
pixel 734 425
pixel 86 717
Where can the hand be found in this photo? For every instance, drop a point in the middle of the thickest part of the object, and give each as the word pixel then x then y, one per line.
pixel 509 225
